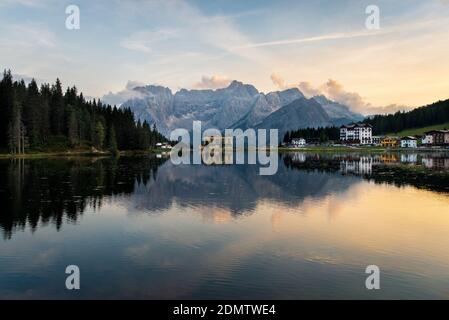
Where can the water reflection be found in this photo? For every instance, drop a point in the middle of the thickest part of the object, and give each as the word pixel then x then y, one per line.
pixel 143 228
pixel 363 163
pixel 55 190
pixel 423 170
pixel 46 191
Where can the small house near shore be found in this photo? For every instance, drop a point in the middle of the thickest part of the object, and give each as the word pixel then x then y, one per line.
pixel 298 142
pixel 376 140
pixel 409 142
pixel 427 138
pixel 389 142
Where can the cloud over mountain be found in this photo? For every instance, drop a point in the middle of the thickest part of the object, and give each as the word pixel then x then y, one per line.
pixel 335 91
pixel 126 94
pixel 278 81
pixel 237 105
pixel 308 89
pixel 212 82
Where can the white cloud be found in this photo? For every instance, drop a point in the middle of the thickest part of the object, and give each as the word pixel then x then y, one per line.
pixel 183 19
pixel 34 50
pixel 346 35
pixel 126 94
pixel 335 91
pixel 212 82
pixel 27 36
pixel 278 81
pixel 191 28
pixel 27 79
pixel 308 89
pixel 131 84
pixel 332 36
pixel 28 3
pixel 129 92
pixel 144 40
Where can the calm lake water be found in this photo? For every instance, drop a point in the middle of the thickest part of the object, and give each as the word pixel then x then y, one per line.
pixel 144 228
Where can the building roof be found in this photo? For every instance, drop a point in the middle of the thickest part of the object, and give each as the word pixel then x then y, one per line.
pixel 354 125
pixel 408 138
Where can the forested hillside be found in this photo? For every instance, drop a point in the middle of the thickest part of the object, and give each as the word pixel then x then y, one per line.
pixel 429 117
pixel 320 134
pixel 45 118
pixel 433 114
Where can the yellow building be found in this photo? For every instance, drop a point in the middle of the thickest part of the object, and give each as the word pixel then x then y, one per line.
pixel 385 158
pixel 389 142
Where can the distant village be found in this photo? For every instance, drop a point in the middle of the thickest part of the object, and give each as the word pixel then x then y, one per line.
pixel 359 164
pixel 361 134
pixel 356 134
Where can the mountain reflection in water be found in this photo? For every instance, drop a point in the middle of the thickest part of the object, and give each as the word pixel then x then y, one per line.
pixel 140 227
pixel 52 190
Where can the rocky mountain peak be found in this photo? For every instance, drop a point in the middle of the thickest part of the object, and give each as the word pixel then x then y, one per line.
pixel 237 106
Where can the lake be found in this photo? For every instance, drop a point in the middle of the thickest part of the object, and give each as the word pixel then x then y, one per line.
pixel 142 228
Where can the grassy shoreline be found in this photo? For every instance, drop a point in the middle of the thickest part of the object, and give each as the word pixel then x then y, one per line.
pixel 360 149
pixel 90 153
pixel 75 153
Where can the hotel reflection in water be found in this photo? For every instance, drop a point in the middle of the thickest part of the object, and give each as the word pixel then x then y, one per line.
pixel 363 165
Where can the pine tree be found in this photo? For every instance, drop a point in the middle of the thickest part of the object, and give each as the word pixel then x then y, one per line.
pixel 146 133
pixel 73 129
pixel 112 141
pixel 31 113
pixel 16 131
pixel 285 139
pixel 6 107
pixel 99 135
pixel 45 114
pixel 57 109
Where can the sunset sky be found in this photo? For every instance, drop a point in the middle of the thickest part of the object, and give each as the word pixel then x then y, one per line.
pixel 318 46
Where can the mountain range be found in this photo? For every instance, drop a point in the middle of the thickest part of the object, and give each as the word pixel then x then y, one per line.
pixel 236 106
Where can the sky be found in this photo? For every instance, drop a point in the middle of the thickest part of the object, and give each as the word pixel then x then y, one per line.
pixel 321 47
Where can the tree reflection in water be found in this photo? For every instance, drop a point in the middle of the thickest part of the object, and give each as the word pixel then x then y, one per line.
pixel 51 190
pixel 37 192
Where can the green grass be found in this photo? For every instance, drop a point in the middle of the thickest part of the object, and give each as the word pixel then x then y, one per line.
pixel 33 154
pixel 419 131
pixel 333 149
pixel 357 149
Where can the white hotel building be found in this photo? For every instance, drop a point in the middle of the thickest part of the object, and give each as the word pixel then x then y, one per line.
pixel 359 133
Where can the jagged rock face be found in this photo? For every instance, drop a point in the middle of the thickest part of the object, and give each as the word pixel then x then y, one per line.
pixel 301 113
pixel 237 106
pixel 264 105
pixel 154 105
pixel 339 113
pixel 285 97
